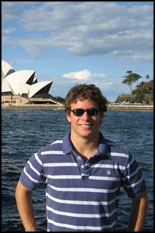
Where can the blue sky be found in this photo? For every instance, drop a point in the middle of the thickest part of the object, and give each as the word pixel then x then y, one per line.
pixel 79 42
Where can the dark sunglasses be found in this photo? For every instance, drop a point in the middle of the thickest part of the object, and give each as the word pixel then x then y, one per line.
pixel 80 111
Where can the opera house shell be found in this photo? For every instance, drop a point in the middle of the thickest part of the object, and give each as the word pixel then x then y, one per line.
pixel 22 83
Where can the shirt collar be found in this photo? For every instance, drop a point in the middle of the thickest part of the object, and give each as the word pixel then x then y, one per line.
pixel 103 146
pixel 67 146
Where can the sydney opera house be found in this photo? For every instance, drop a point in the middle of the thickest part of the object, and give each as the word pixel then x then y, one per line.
pixel 21 87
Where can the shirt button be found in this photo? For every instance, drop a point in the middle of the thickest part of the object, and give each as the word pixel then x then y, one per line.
pixel 79 158
pixel 82 166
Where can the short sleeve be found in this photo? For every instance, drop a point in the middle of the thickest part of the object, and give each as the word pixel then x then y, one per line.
pixel 33 172
pixel 133 180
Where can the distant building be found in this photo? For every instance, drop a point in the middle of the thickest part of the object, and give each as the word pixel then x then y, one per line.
pixel 22 86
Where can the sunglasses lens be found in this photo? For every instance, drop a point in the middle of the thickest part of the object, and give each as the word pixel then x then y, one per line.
pixel 92 112
pixel 80 111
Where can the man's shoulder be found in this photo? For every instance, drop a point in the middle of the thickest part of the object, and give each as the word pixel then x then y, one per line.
pixel 56 145
pixel 116 149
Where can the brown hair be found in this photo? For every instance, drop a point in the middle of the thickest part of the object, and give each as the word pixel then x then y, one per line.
pixel 85 91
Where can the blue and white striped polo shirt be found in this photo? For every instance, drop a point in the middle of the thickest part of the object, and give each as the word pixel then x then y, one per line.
pixel 83 196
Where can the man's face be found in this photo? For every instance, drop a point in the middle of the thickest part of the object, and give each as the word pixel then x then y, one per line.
pixel 84 126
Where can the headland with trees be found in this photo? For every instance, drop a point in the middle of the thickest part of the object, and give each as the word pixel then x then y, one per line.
pixel 142 94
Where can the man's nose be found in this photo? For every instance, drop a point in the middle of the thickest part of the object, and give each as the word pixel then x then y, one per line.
pixel 85 115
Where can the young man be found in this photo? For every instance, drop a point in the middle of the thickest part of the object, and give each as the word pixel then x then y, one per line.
pixel 84 172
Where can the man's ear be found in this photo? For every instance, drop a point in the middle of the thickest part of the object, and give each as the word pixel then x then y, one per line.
pixel 68 117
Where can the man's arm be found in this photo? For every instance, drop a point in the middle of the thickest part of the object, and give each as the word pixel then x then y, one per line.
pixel 138 212
pixel 25 207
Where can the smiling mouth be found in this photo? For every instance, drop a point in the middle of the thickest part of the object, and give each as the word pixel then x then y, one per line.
pixel 86 126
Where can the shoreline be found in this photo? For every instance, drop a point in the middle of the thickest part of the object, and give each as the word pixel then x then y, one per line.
pixel 33 106
pixel 133 108
pixel 136 108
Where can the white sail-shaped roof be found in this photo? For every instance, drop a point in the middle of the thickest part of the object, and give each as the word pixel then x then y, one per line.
pixel 7 68
pixel 24 88
pixel 22 76
pixel 34 88
pixel 2 75
pixel 5 86
pixel 18 79
pixel 22 82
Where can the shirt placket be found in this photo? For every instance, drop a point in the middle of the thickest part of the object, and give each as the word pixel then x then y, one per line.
pixel 85 168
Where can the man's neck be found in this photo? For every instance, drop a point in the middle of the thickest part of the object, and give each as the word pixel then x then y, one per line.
pixel 86 147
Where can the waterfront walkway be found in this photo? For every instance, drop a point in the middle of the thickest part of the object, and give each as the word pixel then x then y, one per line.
pixel 111 107
pixel 130 107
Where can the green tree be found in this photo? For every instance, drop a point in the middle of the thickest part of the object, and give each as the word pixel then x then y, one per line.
pixel 144 92
pixel 145 87
pixel 130 79
pixel 139 97
pixel 147 77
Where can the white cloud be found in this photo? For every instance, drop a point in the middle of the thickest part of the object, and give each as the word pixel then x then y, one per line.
pixel 85 28
pixel 84 75
pixel 80 75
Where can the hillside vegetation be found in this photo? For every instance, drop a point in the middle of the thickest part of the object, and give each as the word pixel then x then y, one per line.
pixel 142 94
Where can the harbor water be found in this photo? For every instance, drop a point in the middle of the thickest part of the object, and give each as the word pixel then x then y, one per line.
pixel 24 131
